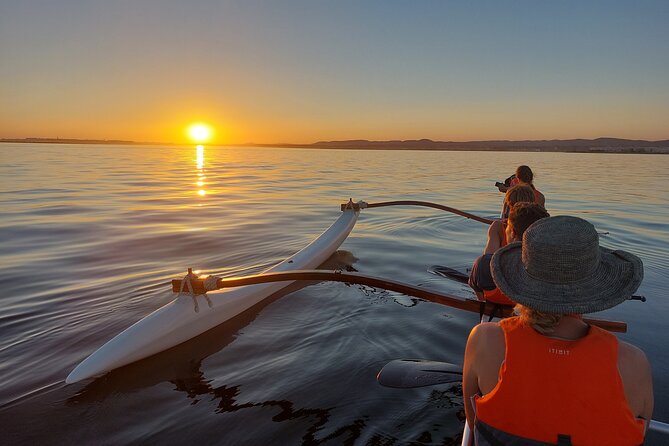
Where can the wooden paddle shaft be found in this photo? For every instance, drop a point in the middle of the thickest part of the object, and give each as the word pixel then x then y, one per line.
pixel 376 282
pixel 358 206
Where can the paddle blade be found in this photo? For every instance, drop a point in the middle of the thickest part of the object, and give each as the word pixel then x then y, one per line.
pixel 408 373
pixel 658 426
pixel 449 273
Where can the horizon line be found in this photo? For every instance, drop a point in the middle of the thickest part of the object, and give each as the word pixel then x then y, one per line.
pixel 322 141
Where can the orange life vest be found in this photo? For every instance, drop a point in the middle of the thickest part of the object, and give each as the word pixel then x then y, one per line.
pixel 553 391
pixel 496 296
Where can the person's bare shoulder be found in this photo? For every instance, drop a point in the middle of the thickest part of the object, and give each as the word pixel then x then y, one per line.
pixel 486 341
pixel 486 350
pixel 487 335
pixel 495 226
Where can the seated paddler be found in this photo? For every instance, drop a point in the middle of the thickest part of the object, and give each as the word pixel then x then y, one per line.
pixel 497 229
pixel 524 177
pixel 545 376
pixel 522 215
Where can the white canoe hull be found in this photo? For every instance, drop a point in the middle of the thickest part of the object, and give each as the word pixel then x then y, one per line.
pixel 467 436
pixel 177 321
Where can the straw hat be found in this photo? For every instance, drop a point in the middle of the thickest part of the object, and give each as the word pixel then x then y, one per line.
pixel 560 268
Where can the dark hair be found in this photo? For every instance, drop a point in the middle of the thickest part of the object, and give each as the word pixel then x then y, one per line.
pixel 524 174
pixel 517 194
pixel 523 214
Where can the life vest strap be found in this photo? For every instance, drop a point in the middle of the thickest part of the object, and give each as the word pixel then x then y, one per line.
pixel 564 440
pixel 497 310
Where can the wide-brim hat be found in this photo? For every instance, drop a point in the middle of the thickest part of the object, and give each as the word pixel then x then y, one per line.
pixel 560 268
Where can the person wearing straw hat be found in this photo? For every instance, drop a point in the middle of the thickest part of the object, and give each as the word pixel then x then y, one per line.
pixel 545 376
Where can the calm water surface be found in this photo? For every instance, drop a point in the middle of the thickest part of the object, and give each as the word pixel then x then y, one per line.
pixel 91 235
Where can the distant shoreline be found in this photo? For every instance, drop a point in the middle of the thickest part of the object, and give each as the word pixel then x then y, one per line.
pixel 599 145
pixel 77 141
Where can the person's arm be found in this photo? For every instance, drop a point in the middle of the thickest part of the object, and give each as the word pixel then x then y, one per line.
pixel 470 381
pixel 542 200
pixel 495 232
pixel 480 278
pixel 637 379
pixel 484 355
pixel 475 278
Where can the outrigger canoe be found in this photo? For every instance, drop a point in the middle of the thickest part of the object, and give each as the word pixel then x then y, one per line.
pixel 183 319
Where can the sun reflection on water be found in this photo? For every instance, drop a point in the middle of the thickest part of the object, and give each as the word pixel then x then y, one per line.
pixel 199 160
pixel 199 150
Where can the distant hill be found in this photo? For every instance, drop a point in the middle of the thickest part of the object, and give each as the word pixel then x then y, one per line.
pixel 599 145
pixel 555 145
pixel 68 141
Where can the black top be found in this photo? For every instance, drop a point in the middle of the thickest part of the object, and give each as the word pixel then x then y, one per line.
pixel 480 277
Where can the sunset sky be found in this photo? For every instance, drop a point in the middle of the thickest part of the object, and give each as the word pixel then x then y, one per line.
pixel 303 71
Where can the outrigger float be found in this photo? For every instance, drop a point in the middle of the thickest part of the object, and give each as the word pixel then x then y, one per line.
pixel 184 318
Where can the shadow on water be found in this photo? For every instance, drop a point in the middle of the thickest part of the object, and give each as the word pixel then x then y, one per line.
pixel 227 403
pixel 182 367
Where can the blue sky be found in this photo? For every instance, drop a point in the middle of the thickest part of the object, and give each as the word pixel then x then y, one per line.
pixel 310 70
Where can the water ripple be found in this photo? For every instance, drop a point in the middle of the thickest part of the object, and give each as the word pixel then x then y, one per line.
pixel 92 235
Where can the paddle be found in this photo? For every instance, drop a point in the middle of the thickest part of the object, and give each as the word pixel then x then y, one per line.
pixel 458 276
pixel 449 273
pixel 200 286
pixel 363 205
pixel 412 373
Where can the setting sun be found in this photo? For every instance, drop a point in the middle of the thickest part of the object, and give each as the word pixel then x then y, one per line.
pixel 200 132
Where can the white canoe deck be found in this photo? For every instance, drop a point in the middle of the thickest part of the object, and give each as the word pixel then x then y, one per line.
pixel 177 321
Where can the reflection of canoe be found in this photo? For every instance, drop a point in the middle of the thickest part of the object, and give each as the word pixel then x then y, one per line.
pixel 178 321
